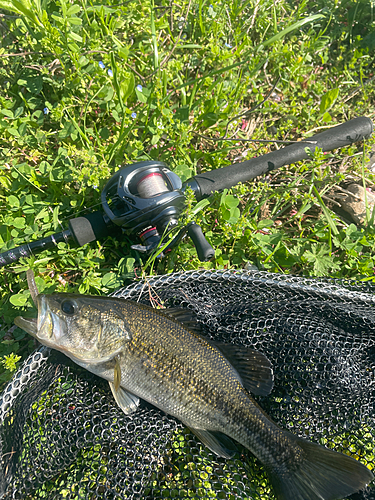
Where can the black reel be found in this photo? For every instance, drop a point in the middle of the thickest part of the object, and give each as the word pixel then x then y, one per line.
pixel 146 199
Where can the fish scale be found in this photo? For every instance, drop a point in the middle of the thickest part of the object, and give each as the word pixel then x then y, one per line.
pixel 179 370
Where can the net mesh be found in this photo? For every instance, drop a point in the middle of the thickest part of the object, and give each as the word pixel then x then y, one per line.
pixel 62 435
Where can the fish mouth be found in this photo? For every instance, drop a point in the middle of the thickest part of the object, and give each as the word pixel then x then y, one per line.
pixel 33 325
pixel 29 325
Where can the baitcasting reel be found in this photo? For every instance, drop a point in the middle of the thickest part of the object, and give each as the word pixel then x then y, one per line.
pixel 146 199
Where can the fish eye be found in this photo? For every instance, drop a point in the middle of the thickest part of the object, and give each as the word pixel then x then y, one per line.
pixel 68 306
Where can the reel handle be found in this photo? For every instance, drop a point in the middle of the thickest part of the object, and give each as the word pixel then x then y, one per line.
pixel 205 251
pixel 223 178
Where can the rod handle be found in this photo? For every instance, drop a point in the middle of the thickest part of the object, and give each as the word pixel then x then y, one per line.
pixel 224 178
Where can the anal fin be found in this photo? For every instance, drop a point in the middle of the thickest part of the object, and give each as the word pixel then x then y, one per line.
pixel 126 401
pixel 217 442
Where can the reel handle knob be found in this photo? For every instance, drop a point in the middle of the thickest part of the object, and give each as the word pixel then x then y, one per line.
pixel 204 249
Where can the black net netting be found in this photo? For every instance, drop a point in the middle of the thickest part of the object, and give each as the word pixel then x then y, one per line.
pixel 63 436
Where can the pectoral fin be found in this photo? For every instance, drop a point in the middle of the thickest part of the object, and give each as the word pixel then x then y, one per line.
pixel 217 442
pixel 117 375
pixel 126 401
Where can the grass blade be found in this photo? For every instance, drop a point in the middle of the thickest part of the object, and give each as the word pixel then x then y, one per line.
pixel 330 221
pixel 154 40
pixel 291 28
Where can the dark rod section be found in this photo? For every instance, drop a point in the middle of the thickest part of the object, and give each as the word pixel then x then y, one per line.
pixel 14 254
pixel 352 131
pixel 81 230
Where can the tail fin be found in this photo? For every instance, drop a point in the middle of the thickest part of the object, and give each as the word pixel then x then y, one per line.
pixel 321 474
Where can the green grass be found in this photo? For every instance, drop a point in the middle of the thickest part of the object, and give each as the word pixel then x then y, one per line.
pixel 86 88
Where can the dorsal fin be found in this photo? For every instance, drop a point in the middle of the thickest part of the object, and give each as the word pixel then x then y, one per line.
pixel 254 368
pixel 185 316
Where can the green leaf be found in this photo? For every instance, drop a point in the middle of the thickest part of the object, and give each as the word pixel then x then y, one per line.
pixel 209 119
pixel 127 87
pixel 55 217
pixel 19 222
pixel 328 100
pixel 67 130
pixel 7 112
pixel 190 46
pixel 73 47
pixel 44 213
pixel 116 116
pixel 73 9
pixel 75 36
pixel 106 93
pixel 200 206
pixel 155 139
pixel 13 201
pixel 231 201
pixel 104 133
pixel 321 260
pixel 123 52
pixel 101 9
pixel 326 117
pixel 20 7
pixel 265 223
pixel 183 171
pixel 182 114
pixel 44 167
pixel 32 83
pixel 18 300
pixel 22 129
pixel 75 21
pixel 130 261
pixel 18 112
pixel 4 5
pixel 331 222
pixel 140 95
pixel 57 18
pixel 110 280
pixel 13 131
pixel 291 28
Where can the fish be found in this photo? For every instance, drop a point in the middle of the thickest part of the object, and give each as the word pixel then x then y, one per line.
pixel 160 356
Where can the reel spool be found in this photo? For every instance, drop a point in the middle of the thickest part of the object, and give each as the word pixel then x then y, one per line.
pixel 152 184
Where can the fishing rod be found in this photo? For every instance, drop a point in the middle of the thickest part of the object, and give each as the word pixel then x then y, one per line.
pixel 146 198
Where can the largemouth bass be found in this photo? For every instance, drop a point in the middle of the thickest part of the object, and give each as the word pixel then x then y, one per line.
pixel 157 355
